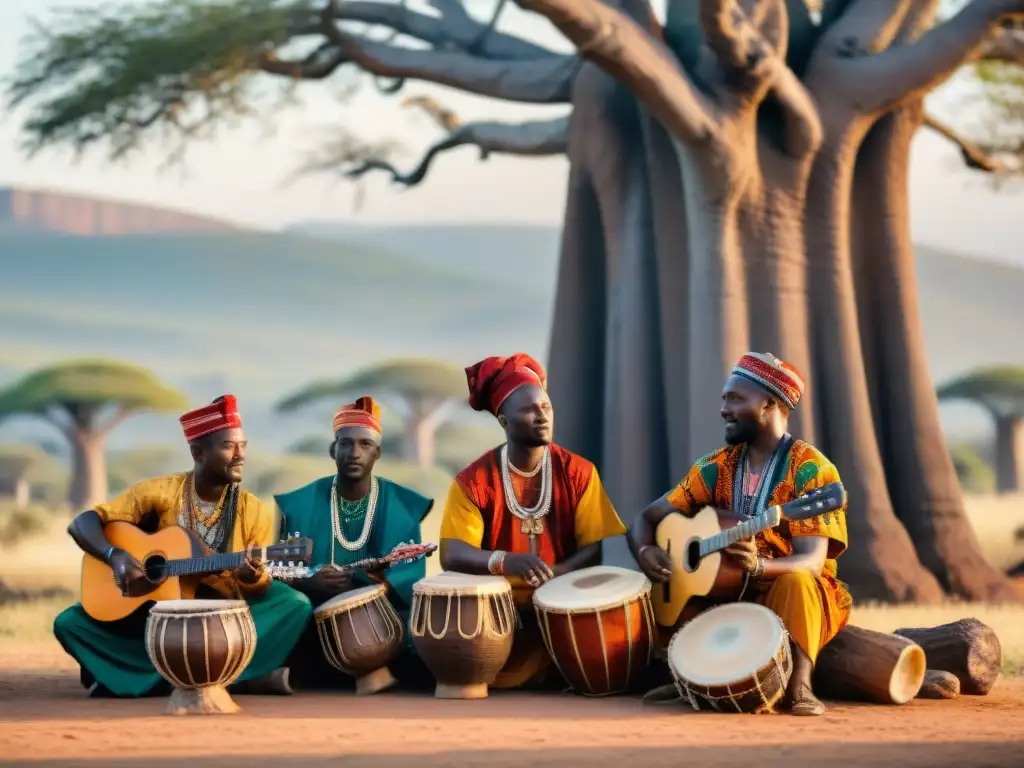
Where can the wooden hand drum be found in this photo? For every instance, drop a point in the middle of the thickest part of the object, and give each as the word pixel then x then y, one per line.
pixel 732 658
pixel 462 628
pixel 360 634
pixel 598 626
pixel 200 647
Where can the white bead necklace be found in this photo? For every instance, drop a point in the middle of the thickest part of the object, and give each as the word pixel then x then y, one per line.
pixel 543 505
pixel 339 533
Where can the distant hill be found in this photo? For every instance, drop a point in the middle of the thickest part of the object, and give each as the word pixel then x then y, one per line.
pixel 89 215
pixel 259 314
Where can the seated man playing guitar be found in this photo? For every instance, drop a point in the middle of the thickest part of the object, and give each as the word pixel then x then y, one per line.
pixel 208 502
pixel 353 516
pixel 791 568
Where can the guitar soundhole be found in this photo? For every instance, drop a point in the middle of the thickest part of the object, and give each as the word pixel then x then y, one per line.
pixel 155 568
pixel 691 558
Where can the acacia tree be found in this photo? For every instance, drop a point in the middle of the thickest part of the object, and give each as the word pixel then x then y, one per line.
pixel 425 389
pixel 738 179
pixel 86 400
pixel 1000 391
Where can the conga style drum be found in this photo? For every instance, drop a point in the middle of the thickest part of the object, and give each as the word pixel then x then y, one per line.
pixel 598 626
pixel 462 628
pixel 732 658
pixel 200 647
pixel 360 634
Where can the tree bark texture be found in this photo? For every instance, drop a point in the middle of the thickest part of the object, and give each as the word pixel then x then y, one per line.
pixel 967 648
pixel 754 246
pixel 864 665
pixel 88 469
pixel 939 685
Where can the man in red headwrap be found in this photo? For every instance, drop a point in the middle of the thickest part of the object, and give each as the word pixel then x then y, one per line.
pixel 208 501
pixel 791 568
pixel 528 509
pixel 354 514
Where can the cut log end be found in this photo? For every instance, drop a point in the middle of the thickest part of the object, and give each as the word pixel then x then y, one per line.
pixel 864 665
pixel 210 700
pixel 939 685
pixel 969 649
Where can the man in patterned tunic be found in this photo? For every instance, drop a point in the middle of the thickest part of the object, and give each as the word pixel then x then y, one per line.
pixel 208 500
pixel 792 568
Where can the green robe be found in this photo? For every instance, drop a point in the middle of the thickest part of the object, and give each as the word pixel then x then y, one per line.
pixel 397 519
pixel 114 654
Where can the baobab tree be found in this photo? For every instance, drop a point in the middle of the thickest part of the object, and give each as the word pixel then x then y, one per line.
pixel 738 179
pixel 86 400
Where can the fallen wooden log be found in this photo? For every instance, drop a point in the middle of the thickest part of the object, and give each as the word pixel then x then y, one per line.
pixel 939 685
pixel 864 665
pixel 967 648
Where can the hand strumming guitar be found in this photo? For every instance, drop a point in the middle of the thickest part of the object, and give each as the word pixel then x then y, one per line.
pixel 655 563
pixel 250 571
pixel 744 554
pixel 128 573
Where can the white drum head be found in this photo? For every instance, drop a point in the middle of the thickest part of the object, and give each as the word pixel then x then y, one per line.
pixel 455 583
pixel 351 598
pixel 594 588
pixel 196 606
pixel 725 644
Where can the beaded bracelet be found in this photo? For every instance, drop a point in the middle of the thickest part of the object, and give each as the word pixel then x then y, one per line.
pixel 107 554
pixel 758 571
pixel 495 562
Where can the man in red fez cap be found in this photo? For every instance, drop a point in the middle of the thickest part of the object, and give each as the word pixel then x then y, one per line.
pixel 791 569
pixel 354 514
pixel 208 502
pixel 528 509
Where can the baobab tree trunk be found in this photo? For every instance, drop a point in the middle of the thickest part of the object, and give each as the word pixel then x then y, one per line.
pixel 1009 453
pixel 88 469
pixel 419 435
pixel 922 480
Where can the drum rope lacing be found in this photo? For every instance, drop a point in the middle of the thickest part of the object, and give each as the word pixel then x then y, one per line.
pixel 543 505
pixel 504 623
pixel 339 534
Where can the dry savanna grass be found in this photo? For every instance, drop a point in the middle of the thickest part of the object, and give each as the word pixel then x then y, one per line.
pixel 49 559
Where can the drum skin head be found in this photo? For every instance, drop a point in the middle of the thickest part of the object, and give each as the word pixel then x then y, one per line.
pixel 196 606
pixel 594 588
pixel 353 597
pixel 725 644
pixel 455 583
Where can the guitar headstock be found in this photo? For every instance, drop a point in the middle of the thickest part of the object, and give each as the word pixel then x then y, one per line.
pixel 820 501
pixel 409 553
pixel 293 548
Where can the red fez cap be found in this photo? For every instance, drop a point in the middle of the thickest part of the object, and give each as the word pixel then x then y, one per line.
pixel 364 412
pixel 778 377
pixel 493 379
pixel 222 413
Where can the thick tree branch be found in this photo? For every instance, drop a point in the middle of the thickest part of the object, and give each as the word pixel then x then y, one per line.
pixel 320 64
pixel 623 49
pixel 453 29
pixel 881 81
pixel 803 129
pixel 537 138
pixel 974 156
pixel 862 27
pixel 122 413
pixel 538 81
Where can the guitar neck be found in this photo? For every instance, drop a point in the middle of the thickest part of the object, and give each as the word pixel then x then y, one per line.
pixel 226 561
pixel 369 564
pixel 767 519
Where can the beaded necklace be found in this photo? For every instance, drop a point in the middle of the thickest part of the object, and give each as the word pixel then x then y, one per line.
pixel 342 508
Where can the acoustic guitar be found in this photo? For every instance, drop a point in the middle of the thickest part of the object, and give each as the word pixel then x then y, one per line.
pixel 694 545
pixel 174 561
pixel 402 553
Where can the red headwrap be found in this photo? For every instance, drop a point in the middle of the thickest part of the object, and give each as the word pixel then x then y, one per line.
pixel 222 413
pixel 364 412
pixel 495 378
pixel 768 372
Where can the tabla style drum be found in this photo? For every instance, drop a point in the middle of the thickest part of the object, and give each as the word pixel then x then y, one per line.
pixel 732 658
pixel 200 647
pixel 462 628
pixel 598 627
pixel 360 634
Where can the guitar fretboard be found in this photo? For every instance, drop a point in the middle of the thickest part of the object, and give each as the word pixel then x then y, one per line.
pixel 223 562
pixel 767 519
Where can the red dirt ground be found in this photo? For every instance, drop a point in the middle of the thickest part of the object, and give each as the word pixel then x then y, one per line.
pixel 45 719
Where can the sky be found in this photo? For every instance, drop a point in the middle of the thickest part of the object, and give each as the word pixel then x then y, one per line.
pixel 240 175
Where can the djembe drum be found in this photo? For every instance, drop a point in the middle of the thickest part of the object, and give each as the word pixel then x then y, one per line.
pixel 732 658
pixel 360 634
pixel 462 628
pixel 598 626
pixel 200 647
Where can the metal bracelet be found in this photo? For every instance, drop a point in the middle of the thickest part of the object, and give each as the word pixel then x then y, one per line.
pixel 495 561
pixel 758 568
